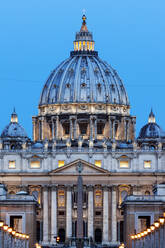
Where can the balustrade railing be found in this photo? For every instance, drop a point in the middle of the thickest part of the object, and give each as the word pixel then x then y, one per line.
pixel 152 237
pixel 9 238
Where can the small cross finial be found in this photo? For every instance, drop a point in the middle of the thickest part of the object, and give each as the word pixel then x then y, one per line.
pixel 84 11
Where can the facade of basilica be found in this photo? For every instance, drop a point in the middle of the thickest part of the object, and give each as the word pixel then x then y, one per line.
pixel 84 117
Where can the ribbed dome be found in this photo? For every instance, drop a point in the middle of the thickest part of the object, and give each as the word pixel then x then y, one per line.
pixel 84 77
pixel 152 129
pixel 14 129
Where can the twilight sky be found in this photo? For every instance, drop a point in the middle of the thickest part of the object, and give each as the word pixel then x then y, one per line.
pixel 36 35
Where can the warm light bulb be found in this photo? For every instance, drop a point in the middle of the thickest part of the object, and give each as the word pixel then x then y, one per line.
pixel 10 230
pixel 5 227
pixel 157 224
pixel 161 220
pixel 148 230
pixel 152 228
pixel 145 232
pixel 132 237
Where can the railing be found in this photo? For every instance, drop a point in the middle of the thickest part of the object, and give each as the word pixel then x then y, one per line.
pixel 152 237
pixel 9 238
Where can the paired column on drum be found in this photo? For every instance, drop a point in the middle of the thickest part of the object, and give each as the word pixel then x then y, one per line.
pixel 45 214
pixel 69 212
pixel 105 215
pixel 53 213
pixel 114 215
pixel 90 211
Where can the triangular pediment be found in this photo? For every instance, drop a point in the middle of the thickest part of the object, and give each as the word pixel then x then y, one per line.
pixel 72 168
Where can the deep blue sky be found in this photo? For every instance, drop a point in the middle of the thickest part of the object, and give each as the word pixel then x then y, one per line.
pixel 36 35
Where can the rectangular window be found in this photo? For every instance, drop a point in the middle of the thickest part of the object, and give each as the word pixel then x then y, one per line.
pixel 35 164
pixel 83 128
pixel 143 222
pixel 100 128
pixel 61 198
pixel 61 163
pixel 12 164
pixel 124 164
pixel 16 223
pixel 147 164
pixel 98 163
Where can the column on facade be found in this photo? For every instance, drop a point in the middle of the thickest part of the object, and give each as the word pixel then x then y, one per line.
pixel 133 127
pixel 75 128
pixel 110 127
pixel 69 212
pixel 125 129
pixel 39 129
pixel 95 126
pixel 42 128
pixel 91 127
pixel 90 212
pixel 45 214
pixel 114 215
pixel 56 127
pixel 128 130
pixel 113 130
pixel 105 215
pixel 71 128
pixel 53 128
pixel 53 214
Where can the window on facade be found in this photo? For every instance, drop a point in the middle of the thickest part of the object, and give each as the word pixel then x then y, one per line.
pixel 66 128
pixel 16 223
pixel 83 128
pixel 12 164
pixel 35 164
pixel 143 223
pixel 147 164
pixel 61 163
pixel 61 198
pixel 98 163
pixel 100 128
pixel 124 164
pixel 98 198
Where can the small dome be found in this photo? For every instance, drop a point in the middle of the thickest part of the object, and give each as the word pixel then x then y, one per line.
pixel 152 129
pixel 37 145
pixel 14 129
pixel 84 77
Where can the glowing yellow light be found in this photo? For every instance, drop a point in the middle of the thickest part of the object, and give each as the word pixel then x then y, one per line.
pixel 145 233
pixel 152 228
pixel 1 223
pixel 10 230
pixel 135 236
pixel 148 230
pixel 132 237
pixel 157 224
pixel 13 232
pixel 98 163
pixel 161 220
pixel 5 227
pixel 139 235
pixel 27 236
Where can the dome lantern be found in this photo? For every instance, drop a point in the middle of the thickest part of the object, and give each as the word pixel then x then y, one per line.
pixel 84 39
pixel 151 118
pixel 14 117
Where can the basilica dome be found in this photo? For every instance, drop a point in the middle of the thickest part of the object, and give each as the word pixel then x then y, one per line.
pixel 14 129
pixel 151 130
pixel 84 77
